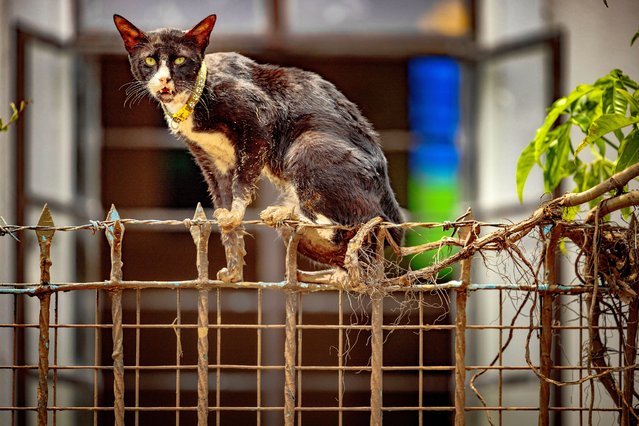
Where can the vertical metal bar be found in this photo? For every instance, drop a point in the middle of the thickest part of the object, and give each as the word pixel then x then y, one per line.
pixel 96 356
pixel 290 328
pixel 377 334
pixel 55 355
pixel 218 355
pixel 137 356
pixel 581 363
pixel 43 359
pixel 44 242
pixel 340 358
pixel 14 373
pixel 203 358
pixel 289 358
pixel 178 353
pixel 258 420
pixel 200 234
pixel 468 234
pixel 556 374
pixel 460 352
pixel 299 357
pixel 377 340
pixel 545 340
pixel 420 397
pixel 115 234
pixel 500 373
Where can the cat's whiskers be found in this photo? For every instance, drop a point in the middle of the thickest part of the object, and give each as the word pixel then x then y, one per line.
pixel 203 103
pixel 135 91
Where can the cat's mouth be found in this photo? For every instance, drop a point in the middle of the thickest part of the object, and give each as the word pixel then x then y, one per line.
pixel 165 94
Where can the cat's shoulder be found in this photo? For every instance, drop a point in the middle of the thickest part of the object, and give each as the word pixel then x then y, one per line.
pixel 231 62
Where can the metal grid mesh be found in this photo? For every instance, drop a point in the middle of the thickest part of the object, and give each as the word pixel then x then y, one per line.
pixel 196 359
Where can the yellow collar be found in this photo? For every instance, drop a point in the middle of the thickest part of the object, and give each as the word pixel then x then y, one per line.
pixel 184 112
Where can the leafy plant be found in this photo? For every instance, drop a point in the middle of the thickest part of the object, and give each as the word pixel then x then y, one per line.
pixel 14 116
pixel 607 112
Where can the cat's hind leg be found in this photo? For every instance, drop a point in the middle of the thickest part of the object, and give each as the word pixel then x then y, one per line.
pixel 276 217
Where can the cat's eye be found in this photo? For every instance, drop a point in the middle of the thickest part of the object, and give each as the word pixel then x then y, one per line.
pixel 150 61
pixel 180 60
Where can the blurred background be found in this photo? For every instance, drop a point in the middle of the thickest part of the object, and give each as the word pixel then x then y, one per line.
pixel 456 88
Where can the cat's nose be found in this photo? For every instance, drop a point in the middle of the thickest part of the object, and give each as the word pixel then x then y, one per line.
pixel 165 80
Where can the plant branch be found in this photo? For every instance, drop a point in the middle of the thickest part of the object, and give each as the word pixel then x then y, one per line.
pixel 616 181
pixel 610 205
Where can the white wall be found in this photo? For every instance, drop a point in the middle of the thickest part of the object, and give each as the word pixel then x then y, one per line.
pixel 598 37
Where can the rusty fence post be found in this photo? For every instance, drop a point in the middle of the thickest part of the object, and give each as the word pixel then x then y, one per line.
pixel 545 339
pixel 467 234
pixel 290 344
pixel 201 233
pixel 45 236
pixel 115 234
pixel 377 340
pixel 377 334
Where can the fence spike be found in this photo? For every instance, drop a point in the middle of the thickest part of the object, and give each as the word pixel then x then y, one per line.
pixel 45 237
pixel 44 241
pixel 112 216
pixel 198 231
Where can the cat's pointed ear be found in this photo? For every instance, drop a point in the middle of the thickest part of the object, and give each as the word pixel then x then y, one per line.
pixel 201 32
pixel 129 32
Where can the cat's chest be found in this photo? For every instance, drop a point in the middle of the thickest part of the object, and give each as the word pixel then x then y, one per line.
pixel 216 145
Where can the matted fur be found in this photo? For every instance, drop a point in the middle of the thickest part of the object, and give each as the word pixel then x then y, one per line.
pixel 287 124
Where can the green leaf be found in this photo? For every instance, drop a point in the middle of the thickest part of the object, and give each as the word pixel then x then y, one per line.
pixel 603 125
pixel 601 148
pixel 628 151
pixel 627 82
pixel 634 103
pixel 525 164
pixel 557 159
pixel 634 38
pixel 612 102
pixel 557 108
pixel 581 120
pixel 16 110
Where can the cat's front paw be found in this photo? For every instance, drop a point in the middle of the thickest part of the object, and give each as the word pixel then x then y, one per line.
pixel 227 219
pixel 275 216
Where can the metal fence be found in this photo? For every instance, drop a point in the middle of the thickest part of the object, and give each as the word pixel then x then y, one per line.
pixel 362 377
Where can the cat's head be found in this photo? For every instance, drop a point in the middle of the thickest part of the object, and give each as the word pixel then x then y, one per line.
pixel 165 61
